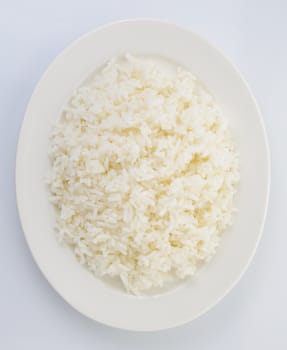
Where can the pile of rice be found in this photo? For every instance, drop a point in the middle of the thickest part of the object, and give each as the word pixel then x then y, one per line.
pixel 143 173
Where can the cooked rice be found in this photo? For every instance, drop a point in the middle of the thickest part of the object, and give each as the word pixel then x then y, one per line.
pixel 143 173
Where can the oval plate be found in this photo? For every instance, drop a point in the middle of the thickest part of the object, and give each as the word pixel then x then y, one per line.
pixel 89 295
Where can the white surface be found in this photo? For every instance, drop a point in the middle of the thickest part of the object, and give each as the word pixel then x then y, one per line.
pixel 104 302
pixel 253 34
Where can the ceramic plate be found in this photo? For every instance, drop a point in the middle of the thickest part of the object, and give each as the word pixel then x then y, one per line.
pixel 102 300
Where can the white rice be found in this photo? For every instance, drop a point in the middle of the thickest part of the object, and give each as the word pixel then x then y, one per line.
pixel 143 173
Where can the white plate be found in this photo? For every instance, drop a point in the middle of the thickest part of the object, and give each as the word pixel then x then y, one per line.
pixel 95 298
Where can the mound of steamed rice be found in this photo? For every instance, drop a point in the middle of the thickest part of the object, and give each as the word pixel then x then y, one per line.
pixel 143 173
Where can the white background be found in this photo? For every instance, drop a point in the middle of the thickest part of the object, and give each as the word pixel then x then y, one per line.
pixel 254 35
